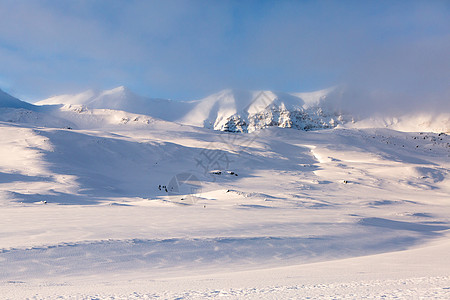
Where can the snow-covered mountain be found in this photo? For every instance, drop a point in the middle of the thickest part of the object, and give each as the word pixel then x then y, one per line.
pixel 228 110
pixel 247 111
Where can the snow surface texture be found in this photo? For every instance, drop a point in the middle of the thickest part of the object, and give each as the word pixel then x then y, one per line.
pixel 104 203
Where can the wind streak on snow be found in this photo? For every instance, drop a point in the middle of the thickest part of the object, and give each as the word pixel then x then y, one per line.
pixel 198 254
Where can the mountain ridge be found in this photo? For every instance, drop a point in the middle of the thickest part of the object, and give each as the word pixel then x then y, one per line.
pixel 8 101
pixel 230 110
pixel 227 110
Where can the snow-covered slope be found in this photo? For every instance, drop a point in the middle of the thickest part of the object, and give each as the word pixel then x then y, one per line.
pixel 412 122
pixel 121 98
pixel 94 197
pixel 87 210
pixel 21 112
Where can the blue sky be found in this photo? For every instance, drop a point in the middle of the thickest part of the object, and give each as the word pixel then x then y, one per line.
pixel 188 49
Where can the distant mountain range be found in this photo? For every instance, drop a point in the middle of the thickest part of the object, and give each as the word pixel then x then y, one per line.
pixel 228 110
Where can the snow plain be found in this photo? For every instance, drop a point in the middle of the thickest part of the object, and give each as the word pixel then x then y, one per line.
pixel 344 213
